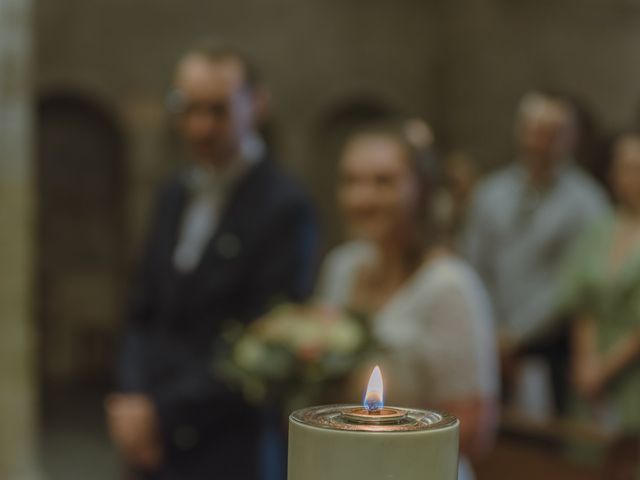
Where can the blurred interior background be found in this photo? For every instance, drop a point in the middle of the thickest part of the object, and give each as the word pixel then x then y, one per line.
pixel 85 140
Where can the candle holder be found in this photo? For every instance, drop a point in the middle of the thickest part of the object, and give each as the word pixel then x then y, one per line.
pixel 350 442
pixel 355 418
pixel 372 441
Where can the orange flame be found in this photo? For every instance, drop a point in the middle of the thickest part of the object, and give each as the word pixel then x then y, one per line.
pixel 373 399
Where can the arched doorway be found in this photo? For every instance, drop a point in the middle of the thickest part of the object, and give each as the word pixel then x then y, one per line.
pixel 80 160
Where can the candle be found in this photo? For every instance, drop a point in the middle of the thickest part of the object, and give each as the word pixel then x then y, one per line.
pixel 372 442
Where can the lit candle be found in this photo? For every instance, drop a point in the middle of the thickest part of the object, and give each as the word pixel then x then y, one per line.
pixel 372 442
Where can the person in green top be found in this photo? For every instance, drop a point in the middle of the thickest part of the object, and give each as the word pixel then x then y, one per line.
pixel 600 288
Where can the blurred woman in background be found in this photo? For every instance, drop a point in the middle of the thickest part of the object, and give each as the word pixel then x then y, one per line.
pixel 428 313
pixel 601 287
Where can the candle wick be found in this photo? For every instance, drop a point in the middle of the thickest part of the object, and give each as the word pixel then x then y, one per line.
pixel 373 406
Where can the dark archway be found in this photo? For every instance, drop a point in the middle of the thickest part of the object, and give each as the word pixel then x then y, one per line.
pixel 80 237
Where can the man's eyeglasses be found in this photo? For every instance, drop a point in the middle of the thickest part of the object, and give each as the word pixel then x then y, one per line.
pixel 177 104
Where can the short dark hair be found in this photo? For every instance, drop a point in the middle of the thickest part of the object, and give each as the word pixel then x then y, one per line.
pixel 214 51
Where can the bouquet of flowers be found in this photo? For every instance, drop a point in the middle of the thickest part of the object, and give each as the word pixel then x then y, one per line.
pixel 292 353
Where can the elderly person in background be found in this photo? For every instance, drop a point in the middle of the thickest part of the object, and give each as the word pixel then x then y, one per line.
pixel 231 235
pixel 427 310
pixel 524 220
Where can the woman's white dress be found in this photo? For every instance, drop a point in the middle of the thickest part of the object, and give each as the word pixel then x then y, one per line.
pixel 436 333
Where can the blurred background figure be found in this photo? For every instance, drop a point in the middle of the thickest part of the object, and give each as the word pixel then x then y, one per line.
pixel 426 309
pixel 590 150
pixel 452 201
pixel 523 222
pixel 230 236
pixel 601 290
pixel 453 179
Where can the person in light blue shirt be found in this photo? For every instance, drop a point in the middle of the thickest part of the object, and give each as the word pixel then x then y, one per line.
pixel 522 223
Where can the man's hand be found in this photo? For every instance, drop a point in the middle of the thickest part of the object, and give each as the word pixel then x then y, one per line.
pixel 133 426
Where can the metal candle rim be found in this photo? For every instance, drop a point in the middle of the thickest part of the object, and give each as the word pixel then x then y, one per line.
pixel 341 417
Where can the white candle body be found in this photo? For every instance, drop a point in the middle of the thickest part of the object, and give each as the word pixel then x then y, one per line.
pixel 329 454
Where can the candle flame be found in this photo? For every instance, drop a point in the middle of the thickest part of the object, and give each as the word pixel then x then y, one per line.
pixel 373 399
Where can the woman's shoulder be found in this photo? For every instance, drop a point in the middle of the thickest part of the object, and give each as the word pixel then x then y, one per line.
pixel 349 253
pixel 448 271
pixel 451 279
pixel 339 267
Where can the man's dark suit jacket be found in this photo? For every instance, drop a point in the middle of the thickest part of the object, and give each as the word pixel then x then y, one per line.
pixel 263 251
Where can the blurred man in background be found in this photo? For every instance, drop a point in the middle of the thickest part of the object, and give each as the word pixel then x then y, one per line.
pixel 522 223
pixel 230 236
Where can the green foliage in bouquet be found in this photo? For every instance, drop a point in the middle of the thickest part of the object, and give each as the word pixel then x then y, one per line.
pixel 292 354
